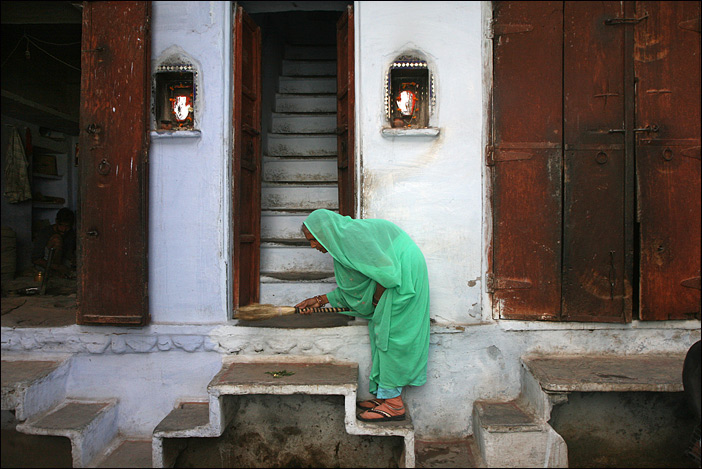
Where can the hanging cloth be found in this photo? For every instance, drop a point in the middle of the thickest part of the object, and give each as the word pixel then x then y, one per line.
pixel 17 188
pixel 368 252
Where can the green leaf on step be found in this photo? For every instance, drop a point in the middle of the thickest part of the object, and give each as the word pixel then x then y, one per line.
pixel 280 374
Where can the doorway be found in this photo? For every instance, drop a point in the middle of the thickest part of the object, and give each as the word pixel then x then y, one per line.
pixel 304 150
pixel 41 55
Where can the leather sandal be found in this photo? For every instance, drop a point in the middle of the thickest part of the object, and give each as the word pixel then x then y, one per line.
pixel 369 404
pixel 386 416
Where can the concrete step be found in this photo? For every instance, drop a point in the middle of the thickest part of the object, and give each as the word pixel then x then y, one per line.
pixel 299 170
pixel 289 288
pixel 508 434
pixel 90 425
pixel 448 453
pixel 185 421
pixel 287 123
pixel 309 68
pixel 307 85
pixel 32 387
pixel 299 197
pixel 301 145
pixel 292 103
pixel 126 452
pixel 280 258
pixel 309 52
pixel 282 225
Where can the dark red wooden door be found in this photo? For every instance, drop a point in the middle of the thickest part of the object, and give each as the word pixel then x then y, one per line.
pixel 596 137
pixel 246 154
pixel 597 199
pixel 345 112
pixel 668 159
pixel 526 160
pixel 114 117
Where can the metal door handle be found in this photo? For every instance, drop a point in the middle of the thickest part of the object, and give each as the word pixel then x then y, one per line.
pixel 92 233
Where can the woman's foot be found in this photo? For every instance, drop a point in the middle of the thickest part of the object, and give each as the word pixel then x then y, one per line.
pixel 390 410
pixel 369 404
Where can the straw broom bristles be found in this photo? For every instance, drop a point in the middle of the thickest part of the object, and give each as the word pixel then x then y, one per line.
pixel 259 312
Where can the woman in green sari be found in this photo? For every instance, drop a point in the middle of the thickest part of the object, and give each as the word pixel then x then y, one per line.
pixel 381 276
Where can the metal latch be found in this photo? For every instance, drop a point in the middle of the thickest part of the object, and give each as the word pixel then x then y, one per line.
pixel 648 128
pixel 616 21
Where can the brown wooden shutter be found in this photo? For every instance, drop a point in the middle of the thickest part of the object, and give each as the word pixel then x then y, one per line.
pixel 246 154
pixel 114 117
pixel 667 64
pixel 526 159
pixel 597 220
pixel 345 111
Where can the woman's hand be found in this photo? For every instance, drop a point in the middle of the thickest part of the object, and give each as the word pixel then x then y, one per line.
pixel 314 302
pixel 379 289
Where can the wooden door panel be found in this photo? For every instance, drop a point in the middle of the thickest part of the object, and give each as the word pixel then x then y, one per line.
pixel 596 224
pixel 527 160
pixel 113 217
pixel 667 61
pixel 345 112
pixel 246 166
pixel 527 236
pixel 594 263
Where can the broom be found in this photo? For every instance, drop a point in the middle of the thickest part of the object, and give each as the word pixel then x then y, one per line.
pixel 259 312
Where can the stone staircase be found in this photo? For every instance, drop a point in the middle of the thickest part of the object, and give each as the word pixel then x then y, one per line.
pixel 245 376
pixel 299 175
pixel 513 433
pixel 35 392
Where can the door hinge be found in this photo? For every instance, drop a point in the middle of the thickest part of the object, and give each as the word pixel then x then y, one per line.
pixel 494 283
pixel 500 29
pixel 693 282
pixel 490 155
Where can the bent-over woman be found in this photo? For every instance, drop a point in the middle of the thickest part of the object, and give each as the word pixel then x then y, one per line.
pixel 381 276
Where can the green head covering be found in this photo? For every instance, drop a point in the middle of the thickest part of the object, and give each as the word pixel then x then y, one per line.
pixel 371 251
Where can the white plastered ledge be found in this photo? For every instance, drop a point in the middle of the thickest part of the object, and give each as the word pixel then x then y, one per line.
pixel 424 132
pixel 156 134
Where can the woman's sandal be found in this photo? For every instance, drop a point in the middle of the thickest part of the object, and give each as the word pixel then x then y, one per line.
pixel 386 416
pixel 369 404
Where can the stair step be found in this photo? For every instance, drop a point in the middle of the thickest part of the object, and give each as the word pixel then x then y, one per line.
pixel 31 387
pixel 309 67
pixel 182 421
pixel 303 52
pixel 301 145
pixel 241 377
pixel 90 426
pixel 290 294
pixel 505 417
pixel 292 103
pixel 509 435
pixel 304 197
pixel 287 123
pixel 282 225
pixel 294 259
pixel 306 85
pixel 129 453
pixel 299 170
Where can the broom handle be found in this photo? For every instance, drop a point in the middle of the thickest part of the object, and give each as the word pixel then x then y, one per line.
pixel 322 310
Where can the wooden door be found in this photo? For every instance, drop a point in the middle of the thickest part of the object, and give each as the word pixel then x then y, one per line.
pixel 526 160
pixel 114 139
pixel 597 181
pixel 667 65
pixel 345 112
pixel 246 153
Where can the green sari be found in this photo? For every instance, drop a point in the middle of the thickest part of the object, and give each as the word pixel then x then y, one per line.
pixel 371 251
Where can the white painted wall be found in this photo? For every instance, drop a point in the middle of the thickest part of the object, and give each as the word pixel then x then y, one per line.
pixel 188 200
pixel 431 187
